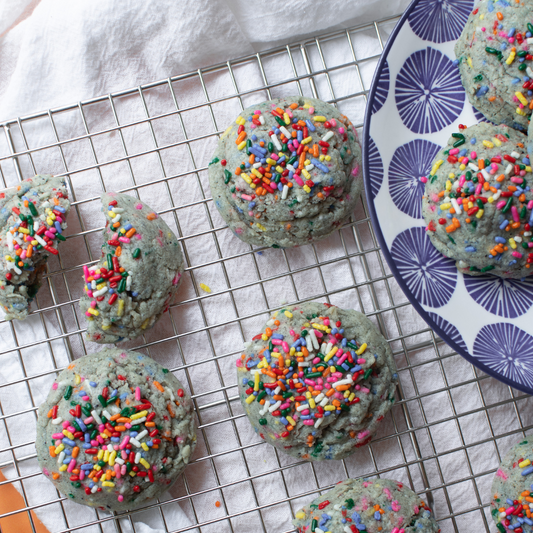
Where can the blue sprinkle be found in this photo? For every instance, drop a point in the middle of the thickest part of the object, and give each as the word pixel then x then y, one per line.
pixel 455 62
pixel 525 472
pixel 133 433
pixel 86 445
pixel 320 166
pixel 470 249
pixel 509 502
pixel 72 443
pixel 300 135
pixel 515 81
pixel 500 240
pixel 277 336
pixel 134 294
pixel 87 467
pixel 83 427
pixel 504 224
pixel 473 140
pixel 254 137
pixel 115 439
pixel 310 125
pixel 511 32
pixel 482 91
pixel 251 205
pixel 92 384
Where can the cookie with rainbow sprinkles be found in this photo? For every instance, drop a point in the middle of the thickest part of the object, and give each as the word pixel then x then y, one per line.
pixel 137 276
pixel 478 203
pixel 496 61
pixel 115 431
pixel 287 172
pixel 367 506
pixel 32 221
pixel 317 381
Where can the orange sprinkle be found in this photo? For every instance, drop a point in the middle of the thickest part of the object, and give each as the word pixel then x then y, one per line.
pixel 75 452
pixel 116 225
pixel 170 410
pixel 158 386
pixel 151 216
pixel 130 233
pixel 294 105
pixel 52 450
pixel 217 504
pixel 330 392
pixel 49 415
pixel 522 198
pixel 500 178
pixel 240 137
pixel 118 251
pixel 481 164
pixel 55 475
pixel 238 170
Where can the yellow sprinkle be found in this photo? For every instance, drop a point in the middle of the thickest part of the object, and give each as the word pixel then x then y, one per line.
pixel 250 399
pixel 319 118
pixel 77 379
pixel 286 118
pixel 100 454
pixel 290 420
pixel 479 214
pixel 332 352
pixel 512 243
pixel 469 61
pixel 351 397
pixel 308 395
pixel 101 286
pixel 329 408
pixel 256 381
pixel 112 458
pixel 346 393
pixel 525 463
pixel 145 463
pixel 520 112
pixel 260 226
pixel 106 456
pixel 138 415
pixel 320 327
pixel 120 310
pixel 328 158
pixel 292 350
pixel 96 467
pixel 321 158
pixel 299 514
pixel 144 446
pixel 105 327
pixel 93 311
pixel 436 166
pixel 488 144
pixel 445 206
pixel 362 348
pixel 146 323
pixel 133 474
pixel 107 484
pixel 262 364
pixel 68 434
pixel 288 314
pixel 491 199
pixel 306 173
pixel 59 449
pixel 246 178
pixel 497 142
pixel 62 468
pixel 307 140
pixel 241 145
pixel 205 287
pixel 256 173
pixel 279 169
pixel 307 189
pixel 462 167
pixel 240 121
pixel 451 175
pixel 34 243
pixel 510 59
pixel 264 337
pixel 312 403
pixel 270 161
pixel 448 185
pixel 528 168
pixel 24 230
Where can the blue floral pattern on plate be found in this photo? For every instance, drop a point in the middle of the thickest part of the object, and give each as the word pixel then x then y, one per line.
pixel 449 329
pixel 429 94
pixel 376 172
pixel 382 89
pixel 430 276
pixel 409 162
pixel 440 21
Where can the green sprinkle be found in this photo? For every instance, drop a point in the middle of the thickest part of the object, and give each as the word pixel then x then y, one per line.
pixel 487 268
pixel 473 269
pixel 479 77
pixel 102 400
pixel 213 161
pixel 479 203
pixel 368 371
pixel 349 503
pixel 68 392
pixel 474 224
pixel 530 27
pixel 449 237
pixel 101 463
pixel 94 434
pixel 33 210
pixel 122 286
pixel 317 449
pixel 522 53
pixel 314 375
pixel 263 421
pixel 270 147
pixel 508 205
pixel 523 213
pixel 261 395
pixel 227 176
pixel 491 50
pixel 279 121
pixel 109 262
pixel 523 66
pixel 59 237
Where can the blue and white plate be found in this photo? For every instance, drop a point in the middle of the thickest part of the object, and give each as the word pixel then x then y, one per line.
pixel 416 102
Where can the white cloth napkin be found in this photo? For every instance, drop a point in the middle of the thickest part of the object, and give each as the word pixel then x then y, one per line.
pixel 56 52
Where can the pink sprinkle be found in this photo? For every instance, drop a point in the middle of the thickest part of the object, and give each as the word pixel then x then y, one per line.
pixel 341 131
pixel 298 180
pixel 326 321
pixel 311 110
pixel 120 498
pixel 454 151
pixel 125 240
pixel 361 361
pixel 316 360
pixel 65 424
pixel 502 474
pixel 511 40
pixel 93 304
pixel 88 420
pixel 423 179
pixel 295 143
pixel 291 332
pixel 82 475
pixel 478 188
pixel 57 435
pixel 318 334
pixel 246 197
pixel 138 394
pixel 138 206
pixel 333 122
pixel 483 28
pixel 124 442
pixel 85 272
pixel 176 279
pixel 516 216
pixel 309 382
pixel 363 434
pixel 54 385
pixel 71 465
pixel 275 157
pixel 395 506
pixel 530 204
pixel 116 466
pixel 305 412
pixel 341 360
pixel 308 422
pixel 500 204
pixel 284 406
pixel 517 254
pixel 473 155
pixel 387 492
pixel 257 112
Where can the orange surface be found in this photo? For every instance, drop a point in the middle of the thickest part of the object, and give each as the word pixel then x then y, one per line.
pixel 11 500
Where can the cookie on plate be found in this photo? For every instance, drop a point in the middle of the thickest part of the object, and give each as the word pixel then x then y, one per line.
pixel 495 61
pixel 367 505
pixel 317 381
pixel 137 276
pixel 512 488
pixel 32 220
pixel 287 172
pixel 478 204
pixel 115 431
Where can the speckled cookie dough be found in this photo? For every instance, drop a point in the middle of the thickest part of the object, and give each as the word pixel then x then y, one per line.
pixel 287 172
pixel 495 61
pixel 478 204
pixel 317 381
pixel 116 430
pixel 32 220
pixel 367 506
pixel 512 490
pixel 137 276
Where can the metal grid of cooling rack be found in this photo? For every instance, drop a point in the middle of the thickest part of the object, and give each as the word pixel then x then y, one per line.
pixel 444 436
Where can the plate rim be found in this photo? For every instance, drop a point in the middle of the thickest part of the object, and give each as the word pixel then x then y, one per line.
pixel 377 227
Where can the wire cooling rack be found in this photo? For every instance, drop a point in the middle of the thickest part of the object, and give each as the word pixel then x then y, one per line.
pixel 451 423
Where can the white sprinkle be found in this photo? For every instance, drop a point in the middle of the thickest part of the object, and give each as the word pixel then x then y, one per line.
pixel 57 421
pixel 277 390
pixel 9 239
pixel 516 155
pixel 117 218
pixel 42 242
pixel 275 140
pixel 508 169
pixel 285 132
pixel 518 239
pixel 101 292
pixel 473 167
pixel 117 210
pixel 119 461
pixel 138 421
pixel 309 167
pixel 128 283
pixel 324 402
pixel 36 225
pixel 486 175
pixel 136 443
pixel 95 415
pixel 319 398
pixel 456 206
pixel 303 407
pixel 313 339
pixel 172 398
pixel 257 165
pixel 497 195
pixel 328 136
pixel 317 423
pixel 106 413
pixel 60 457
pixel 110 448
pixel 94 489
pixel 284 194
pixel 141 435
pixel 291 168
pixel 272 408
pixel 261 119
